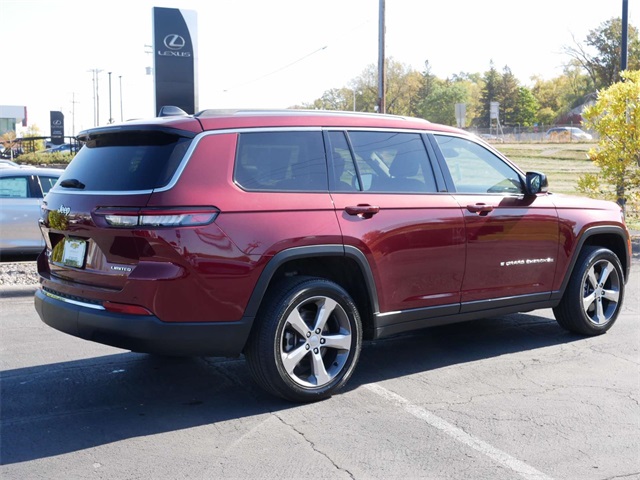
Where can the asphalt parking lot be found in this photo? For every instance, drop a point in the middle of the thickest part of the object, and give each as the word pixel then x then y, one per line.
pixel 504 398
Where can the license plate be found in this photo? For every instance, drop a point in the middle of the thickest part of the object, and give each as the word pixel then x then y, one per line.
pixel 73 254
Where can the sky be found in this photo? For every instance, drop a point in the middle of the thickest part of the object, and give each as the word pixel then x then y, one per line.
pixel 272 54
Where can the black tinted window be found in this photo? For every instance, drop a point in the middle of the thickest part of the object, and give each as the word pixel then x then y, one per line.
pixel 392 162
pixel 281 161
pixel 345 177
pixel 127 161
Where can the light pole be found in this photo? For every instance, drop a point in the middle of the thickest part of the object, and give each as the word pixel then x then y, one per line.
pixel 97 98
pixel 121 115
pixel 110 116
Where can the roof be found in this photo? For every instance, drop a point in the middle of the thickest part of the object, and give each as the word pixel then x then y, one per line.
pixel 29 170
pixel 208 120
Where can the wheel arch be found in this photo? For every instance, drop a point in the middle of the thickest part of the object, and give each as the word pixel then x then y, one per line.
pixel 345 265
pixel 614 238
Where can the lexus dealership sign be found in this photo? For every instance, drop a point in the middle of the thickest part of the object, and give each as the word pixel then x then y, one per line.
pixel 175 58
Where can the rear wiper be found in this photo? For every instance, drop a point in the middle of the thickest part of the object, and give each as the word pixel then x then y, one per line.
pixel 72 183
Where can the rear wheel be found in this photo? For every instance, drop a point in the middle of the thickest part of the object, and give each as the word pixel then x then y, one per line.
pixel 306 340
pixel 593 297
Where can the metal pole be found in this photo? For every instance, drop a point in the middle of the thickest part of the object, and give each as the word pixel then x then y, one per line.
pixel 93 90
pixel 381 66
pixel 625 35
pixel 97 98
pixel 121 115
pixel 110 113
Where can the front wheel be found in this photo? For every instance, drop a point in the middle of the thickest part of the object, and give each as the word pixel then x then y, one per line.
pixel 593 297
pixel 306 339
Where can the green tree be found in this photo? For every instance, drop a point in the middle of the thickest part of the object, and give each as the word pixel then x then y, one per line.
pixel 439 106
pixel 616 117
pixel 600 58
pixel 526 108
pixel 489 94
pixel 507 94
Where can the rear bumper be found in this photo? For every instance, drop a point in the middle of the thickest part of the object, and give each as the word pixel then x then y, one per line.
pixel 144 333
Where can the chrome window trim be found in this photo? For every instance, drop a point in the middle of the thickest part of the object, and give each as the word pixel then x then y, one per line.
pixel 196 140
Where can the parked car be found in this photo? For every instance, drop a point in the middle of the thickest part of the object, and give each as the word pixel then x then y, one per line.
pixel 21 193
pixel 290 236
pixel 573 133
pixel 8 164
pixel 64 148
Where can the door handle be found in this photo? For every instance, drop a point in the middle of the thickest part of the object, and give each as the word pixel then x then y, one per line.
pixel 480 208
pixel 362 210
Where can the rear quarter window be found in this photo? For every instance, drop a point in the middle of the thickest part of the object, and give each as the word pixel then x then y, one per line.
pixel 281 161
pixel 127 161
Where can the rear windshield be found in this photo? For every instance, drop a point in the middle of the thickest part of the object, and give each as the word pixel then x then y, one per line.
pixel 127 161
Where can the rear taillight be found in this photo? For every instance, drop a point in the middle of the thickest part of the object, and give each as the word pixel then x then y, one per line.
pixel 157 217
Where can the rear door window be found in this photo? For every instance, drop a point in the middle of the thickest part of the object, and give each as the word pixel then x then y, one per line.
pixel 392 162
pixel 14 187
pixel 281 161
pixel 127 161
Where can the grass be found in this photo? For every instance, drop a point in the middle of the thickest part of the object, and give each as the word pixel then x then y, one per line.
pixel 562 163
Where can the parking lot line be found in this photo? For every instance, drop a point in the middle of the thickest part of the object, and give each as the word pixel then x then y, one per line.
pixel 503 458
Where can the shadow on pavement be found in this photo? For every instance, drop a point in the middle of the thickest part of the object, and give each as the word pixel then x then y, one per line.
pixel 54 409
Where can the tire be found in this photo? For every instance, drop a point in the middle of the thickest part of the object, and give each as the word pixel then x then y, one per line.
pixel 593 297
pixel 306 340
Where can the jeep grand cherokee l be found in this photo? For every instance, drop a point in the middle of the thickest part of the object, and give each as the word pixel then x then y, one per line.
pixel 290 236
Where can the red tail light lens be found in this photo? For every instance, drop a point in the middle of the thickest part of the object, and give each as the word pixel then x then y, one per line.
pixel 157 217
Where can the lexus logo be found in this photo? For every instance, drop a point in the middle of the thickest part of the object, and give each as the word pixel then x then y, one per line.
pixel 174 42
pixel 57 123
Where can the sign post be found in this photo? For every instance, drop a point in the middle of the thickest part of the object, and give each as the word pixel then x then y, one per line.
pixel 57 127
pixel 175 58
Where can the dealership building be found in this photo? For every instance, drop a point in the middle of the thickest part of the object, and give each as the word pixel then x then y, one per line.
pixel 12 118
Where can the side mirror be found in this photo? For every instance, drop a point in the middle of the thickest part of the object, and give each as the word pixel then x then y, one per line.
pixel 536 183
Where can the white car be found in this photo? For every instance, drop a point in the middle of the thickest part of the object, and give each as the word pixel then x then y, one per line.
pixel 573 133
pixel 21 193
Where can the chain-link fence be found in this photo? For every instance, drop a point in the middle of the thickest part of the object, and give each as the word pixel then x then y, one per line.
pixel 542 133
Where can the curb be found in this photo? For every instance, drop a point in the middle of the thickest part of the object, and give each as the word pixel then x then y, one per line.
pixel 10 291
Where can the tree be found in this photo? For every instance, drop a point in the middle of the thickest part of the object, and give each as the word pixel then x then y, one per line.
pixel 526 108
pixel 8 141
pixel 601 57
pixel 507 94
pixel 489 94
pixel 33 132
pixel 439 106
pixel 616 117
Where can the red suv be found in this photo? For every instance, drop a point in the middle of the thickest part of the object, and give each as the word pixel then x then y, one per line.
pixel 290 236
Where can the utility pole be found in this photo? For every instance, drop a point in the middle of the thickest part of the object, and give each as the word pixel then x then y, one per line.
pixel 625 35
pixel 381 66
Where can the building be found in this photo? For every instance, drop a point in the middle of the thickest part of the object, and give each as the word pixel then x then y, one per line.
pixel 12 117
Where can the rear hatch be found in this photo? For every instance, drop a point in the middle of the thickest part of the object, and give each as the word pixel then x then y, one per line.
pixel 85 219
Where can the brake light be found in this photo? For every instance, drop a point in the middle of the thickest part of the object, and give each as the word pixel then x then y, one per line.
pixel 157 217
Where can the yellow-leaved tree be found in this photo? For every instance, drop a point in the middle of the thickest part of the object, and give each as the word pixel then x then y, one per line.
pixel 616 118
